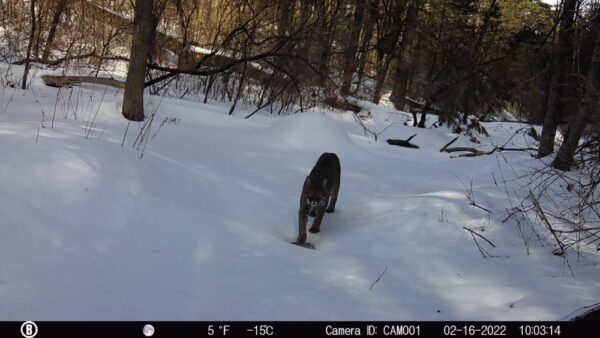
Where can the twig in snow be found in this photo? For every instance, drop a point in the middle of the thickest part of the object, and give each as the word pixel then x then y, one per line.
pixel 449 143
pixel 581 308
pixel 483 252
pixel 480 207
pixel 478 246
pixel 125 134
pixel 378 278
pixel 540 212
pixel 372 132
pixel 89 124
pixel 471 196
pixel 478 234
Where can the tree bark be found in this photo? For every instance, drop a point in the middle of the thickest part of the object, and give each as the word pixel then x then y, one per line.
pixel 350 51
pixel 561 63
pixel 386 48
pixel 59 81
pixel 424 114
pixel 324 51
pixel 60 8
pixel 285 11
pixel 133 98
pixel 475 55
pixel 325 39
pixel 370 18
pixel 566 153
pixel 405 55
pixel 382 71
pixel 31 37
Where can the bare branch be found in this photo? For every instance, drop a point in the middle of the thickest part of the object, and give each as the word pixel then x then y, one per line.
pixel 378 278
pixel 478 234
pixel 449 143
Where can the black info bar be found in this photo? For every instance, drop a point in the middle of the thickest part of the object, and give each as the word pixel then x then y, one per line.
pixel 234 329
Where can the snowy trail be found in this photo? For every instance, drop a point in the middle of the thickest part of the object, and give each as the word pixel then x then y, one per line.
pixel 199 229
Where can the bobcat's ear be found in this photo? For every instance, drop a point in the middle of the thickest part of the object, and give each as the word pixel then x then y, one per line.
pixel 324 183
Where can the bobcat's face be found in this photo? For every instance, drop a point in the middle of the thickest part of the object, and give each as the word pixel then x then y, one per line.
pixel 315 198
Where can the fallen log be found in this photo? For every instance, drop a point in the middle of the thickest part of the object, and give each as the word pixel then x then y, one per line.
pixel 403 143
pixel 472 152
pixel 59 81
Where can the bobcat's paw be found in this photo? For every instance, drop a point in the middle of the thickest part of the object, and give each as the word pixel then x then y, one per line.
pixel 301 239
pixel 330 210
pixel 314 230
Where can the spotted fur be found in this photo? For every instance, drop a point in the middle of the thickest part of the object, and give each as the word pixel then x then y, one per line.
pixel 319 193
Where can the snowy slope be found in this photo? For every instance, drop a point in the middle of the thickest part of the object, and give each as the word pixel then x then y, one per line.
pixel 199 228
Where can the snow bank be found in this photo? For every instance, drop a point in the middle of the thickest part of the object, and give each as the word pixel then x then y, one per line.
pixel 310 132
pixel 199 228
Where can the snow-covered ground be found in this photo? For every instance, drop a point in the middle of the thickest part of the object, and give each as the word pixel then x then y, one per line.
pixel 200 227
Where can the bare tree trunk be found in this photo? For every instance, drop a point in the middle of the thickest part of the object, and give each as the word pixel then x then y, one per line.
pixel 133 98
pixel 386 48
pixel 325 39
pixel 561 63
pixel 475 55
pixel 239 90
pixel 324 51
pixel 566 153
pixel 382 71
pixel 424 115
pixel 350 51
pixel 60 8
pixel 41 10
pixel 405 57
pixel 285 11
pixel 184 59
pixel 31 37
pixel 373 7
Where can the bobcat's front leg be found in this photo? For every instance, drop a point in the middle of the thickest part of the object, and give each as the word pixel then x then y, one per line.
pixel 334 192
pixel 302 219
pixel 316 226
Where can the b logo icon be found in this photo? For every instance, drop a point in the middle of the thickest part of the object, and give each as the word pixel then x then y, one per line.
pixel 29 329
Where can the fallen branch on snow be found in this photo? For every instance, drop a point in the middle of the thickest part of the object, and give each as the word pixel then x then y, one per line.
pixel 449 143
pixel 403 143
pixel 61 81
pixel 472 152
pixel 480 235
pixel 483 252
pixel 378 278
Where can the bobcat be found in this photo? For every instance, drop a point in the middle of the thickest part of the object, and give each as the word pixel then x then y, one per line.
pixel 319 193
